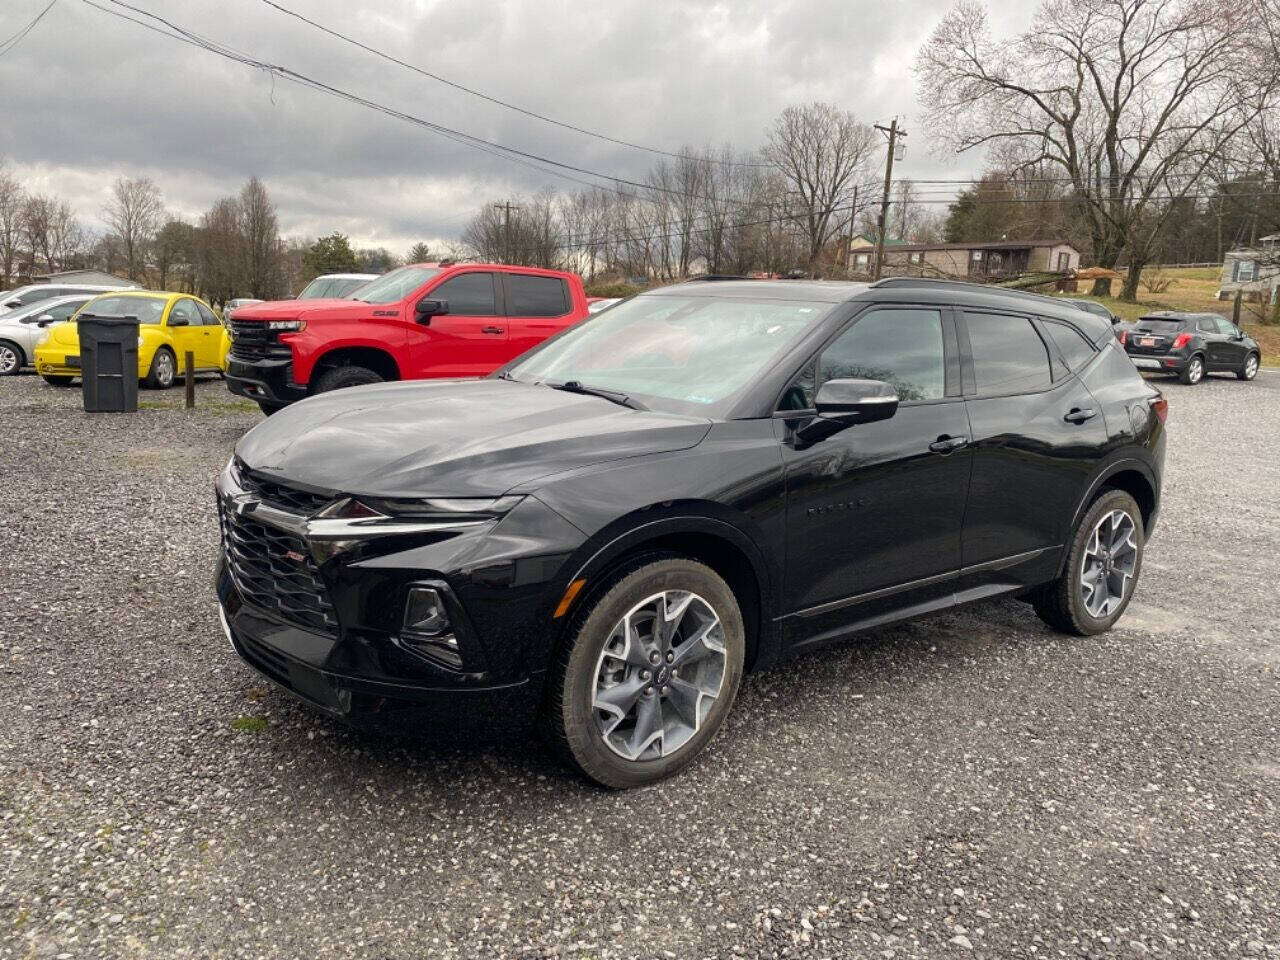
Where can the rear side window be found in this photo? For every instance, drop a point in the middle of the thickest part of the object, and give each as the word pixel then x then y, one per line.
pixel 1008 354
pixel 1075 349
pixel 536 296
pixel 469 295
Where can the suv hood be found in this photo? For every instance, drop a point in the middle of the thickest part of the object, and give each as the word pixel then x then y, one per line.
pixel 473 438
pixel 309 309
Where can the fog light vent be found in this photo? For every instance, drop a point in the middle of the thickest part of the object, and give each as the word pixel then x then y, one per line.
pixel 427 629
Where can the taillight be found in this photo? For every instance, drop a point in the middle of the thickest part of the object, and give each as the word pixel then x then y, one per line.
pixel 1180 341
pixel 1161 407
pixel 1124 338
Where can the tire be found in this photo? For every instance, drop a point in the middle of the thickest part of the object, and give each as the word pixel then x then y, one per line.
pixel 338 378
pixel 1193 373
pixel 1065 604
pixel 164 370
pixel 1249 369
pixel 596 659
pixel 11 359
pixel 58 381
pixel 268 408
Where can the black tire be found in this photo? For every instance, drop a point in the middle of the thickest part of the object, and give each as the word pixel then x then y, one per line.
pixel 268 408
pixel 569 718
pixel 1193 372
pixel 337 378
pixel 1245 372
pixel 1060 604
pixel 11 359
pixel 164 370
pixel 58 381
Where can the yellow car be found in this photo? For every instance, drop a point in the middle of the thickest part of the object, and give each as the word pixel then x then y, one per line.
pixel 170 324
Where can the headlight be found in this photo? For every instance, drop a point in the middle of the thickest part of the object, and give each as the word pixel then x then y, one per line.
pixel 140 341
pixel 43 338
pixel 445 508
pixel 284 326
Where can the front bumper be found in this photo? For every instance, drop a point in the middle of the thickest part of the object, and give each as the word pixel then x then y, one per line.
pixel 268 380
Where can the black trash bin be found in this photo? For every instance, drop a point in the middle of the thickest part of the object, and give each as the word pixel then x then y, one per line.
pixel 108 363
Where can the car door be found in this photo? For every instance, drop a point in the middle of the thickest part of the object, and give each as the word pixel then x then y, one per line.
pixel 1218 348
pixel 470 340
pixel 1232 346
pixel 209 344
pixel 874 513
pixel 537 308
pixel 1037 435
pixel 184 330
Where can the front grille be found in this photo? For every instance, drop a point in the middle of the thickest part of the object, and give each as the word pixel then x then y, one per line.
pixel 281 495
pixel 274 571
pixel 253 341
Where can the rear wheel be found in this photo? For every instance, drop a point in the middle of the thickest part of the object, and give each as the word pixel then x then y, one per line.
pixel 336 378
pixel 164 370
pixel 11 358
pixel 58 381
pixel 1250 368
pixel 648 674
pixel 1101 571
pixel 1194 371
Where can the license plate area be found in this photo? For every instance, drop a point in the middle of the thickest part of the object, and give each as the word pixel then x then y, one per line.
pixel 73 362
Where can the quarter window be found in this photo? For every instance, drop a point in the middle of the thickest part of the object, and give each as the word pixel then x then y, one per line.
pixel 1075 349
pixel 1008 354
pixel 901 347
pixel 536 296
pixel 469 295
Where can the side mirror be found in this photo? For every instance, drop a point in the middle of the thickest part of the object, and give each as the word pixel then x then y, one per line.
pixel 845 403
pixel 427 308
pixel 1114 319
pixel 44 318
pixel 177 321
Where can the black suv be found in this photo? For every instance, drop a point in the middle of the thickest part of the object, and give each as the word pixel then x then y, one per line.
pixel 1191 345
pixel 610 530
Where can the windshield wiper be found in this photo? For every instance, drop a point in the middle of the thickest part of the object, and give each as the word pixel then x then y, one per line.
pixel 576 386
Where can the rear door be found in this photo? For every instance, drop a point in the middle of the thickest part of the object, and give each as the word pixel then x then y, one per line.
pixel 468 341
pixel 537 308
pixel 1037 434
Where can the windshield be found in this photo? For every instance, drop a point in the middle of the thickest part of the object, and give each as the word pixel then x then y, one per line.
pixel 396 285
pixel 1160 326
pixel 695 352
pixel 148 310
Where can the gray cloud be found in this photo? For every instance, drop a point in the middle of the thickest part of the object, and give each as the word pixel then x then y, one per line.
pixel 88 97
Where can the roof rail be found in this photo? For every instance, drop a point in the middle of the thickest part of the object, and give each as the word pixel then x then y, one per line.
pixel 979 287
pixel 707 277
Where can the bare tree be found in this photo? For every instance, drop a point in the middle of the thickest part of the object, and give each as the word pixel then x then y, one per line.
pixel 12 199
pixel 174 251
pixel 822 153
pixel 260 232
pixel 1129 100
pixel 38 213
pixel 134 213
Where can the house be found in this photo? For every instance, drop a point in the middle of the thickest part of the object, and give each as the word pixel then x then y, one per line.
pixel 92 277
pixel 859 251
pixel 1005 258
pixel 1254 272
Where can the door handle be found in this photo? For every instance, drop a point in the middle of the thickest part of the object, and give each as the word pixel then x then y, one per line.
pixel 945 444
pixel 491 329
pixel 1078 415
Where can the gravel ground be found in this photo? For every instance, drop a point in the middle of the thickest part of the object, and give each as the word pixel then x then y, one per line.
pixel 968 785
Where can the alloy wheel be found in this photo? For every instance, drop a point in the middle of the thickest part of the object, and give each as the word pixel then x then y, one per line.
pixel 164 369
pixel 8 360
pixel 659 674
pixel 1110 559
pixel 1250 366
pixel 1195 370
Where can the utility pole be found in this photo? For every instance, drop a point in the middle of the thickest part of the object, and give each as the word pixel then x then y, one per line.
pixel 506 209
pixel 894 133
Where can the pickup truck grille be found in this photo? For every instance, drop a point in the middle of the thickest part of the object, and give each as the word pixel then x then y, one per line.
pixel 253 341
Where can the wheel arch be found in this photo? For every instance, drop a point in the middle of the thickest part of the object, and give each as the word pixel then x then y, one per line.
pixel 377 359
pixel 23 359
pixel 1133 477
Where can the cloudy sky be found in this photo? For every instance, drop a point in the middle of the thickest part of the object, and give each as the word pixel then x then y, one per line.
pixel 87 97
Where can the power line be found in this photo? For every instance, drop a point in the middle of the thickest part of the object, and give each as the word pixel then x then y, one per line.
pixel 18 37
pixel 491 99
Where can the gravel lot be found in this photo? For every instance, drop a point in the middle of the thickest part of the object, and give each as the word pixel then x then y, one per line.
pixel 969 785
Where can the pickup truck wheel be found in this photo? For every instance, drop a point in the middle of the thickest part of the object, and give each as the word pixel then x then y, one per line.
pixel 336 378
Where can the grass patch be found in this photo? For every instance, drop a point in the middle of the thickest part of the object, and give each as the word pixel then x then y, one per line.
pixel 250 724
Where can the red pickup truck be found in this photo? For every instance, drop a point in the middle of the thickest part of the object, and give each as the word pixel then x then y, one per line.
pixel 417 322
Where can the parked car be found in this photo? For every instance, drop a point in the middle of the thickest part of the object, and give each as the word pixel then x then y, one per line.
pixel 1118 326
pixel 21 328
pixel 1191 345
pixel 25 296
pixel 334 286
pixel 414 323
pixel 610 530
pixel 234 304
pixel 596 304
pixel 170 325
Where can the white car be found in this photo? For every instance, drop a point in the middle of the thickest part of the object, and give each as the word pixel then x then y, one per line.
pixel 231 306
pixel 25 296
pixel 22 327
pixel 334 286
pixel 595 306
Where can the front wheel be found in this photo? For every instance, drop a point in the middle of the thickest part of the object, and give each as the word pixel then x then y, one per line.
pixel 1102 569
pixel 648 673
pixel 337 378
pixel 1194 371
pixel 1250 368
pixel 164 369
